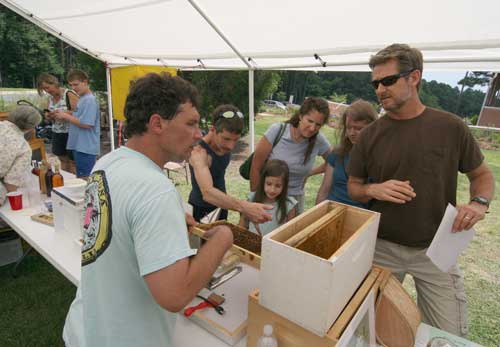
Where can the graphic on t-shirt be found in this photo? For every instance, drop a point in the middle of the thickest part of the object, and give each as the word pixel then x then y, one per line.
pixel 97 219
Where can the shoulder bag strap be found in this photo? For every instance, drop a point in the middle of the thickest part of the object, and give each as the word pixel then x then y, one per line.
pixel 280 134
pixel 68 103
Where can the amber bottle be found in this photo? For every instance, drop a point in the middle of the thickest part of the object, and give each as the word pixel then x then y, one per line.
pixel 57 179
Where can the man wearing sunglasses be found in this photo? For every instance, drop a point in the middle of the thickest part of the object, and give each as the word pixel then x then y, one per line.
pixel 208 164
pixel 412 154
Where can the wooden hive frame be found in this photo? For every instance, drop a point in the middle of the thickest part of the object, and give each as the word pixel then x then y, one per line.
pixel 248 256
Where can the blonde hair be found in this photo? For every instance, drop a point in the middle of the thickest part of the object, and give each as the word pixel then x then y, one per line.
pixel 46 78
pixel 359 110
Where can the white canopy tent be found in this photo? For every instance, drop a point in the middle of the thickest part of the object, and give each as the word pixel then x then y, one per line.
pixel 322 35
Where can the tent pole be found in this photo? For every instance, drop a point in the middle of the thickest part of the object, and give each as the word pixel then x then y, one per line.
pixel 110 108
pixel 219 32
pixel 251 109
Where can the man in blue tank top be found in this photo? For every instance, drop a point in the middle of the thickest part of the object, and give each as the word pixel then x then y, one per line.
pixel 208 165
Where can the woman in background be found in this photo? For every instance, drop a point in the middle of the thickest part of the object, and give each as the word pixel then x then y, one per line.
pixel 334 186
pixel 15 158
pixel 59 99
pixel 299 146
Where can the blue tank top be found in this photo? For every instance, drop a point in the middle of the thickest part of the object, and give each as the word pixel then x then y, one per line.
pixel 217 170
pixel 338 191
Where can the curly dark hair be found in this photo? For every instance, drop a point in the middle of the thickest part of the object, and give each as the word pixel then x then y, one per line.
pixel 156 94
pixel 310 104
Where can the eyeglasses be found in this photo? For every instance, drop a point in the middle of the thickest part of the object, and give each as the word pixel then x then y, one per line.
pixel 390 80
pixel 231 114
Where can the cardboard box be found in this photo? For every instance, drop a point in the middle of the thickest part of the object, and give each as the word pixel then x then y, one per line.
pixel 290 334
pixel 69 212
pixel 310 280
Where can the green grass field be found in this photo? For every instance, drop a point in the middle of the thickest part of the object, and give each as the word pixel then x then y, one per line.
pixel 33 307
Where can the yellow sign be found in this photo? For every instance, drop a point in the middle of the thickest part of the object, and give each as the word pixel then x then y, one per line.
pixel 120 82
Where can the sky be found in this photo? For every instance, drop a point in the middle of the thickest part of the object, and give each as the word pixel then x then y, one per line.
pixel 448 77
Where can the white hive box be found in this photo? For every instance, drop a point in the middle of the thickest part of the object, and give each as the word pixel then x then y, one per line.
pixel 310 280
pixel 69 211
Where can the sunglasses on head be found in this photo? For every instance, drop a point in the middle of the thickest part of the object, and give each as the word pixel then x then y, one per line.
pixel 390 80
pixel 231 114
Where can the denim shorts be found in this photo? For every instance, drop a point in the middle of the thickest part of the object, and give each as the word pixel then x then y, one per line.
pixel 84 163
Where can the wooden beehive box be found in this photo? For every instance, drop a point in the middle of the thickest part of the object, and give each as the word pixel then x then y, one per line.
pixel 290 334
pixel 246 244
pixel 312 265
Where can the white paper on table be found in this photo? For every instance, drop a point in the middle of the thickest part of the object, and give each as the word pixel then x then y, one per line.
pixel 446 245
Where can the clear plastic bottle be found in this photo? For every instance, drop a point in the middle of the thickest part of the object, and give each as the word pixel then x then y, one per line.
pixel 268 339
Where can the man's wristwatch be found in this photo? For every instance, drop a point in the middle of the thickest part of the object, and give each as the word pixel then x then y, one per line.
pixel 481 200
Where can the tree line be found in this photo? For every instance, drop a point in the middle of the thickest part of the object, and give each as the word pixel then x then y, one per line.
pixel 27 50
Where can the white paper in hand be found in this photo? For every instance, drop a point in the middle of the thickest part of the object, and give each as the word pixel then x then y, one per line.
pixel 446 245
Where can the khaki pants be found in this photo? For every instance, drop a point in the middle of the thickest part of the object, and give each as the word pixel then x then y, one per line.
pixel 440 295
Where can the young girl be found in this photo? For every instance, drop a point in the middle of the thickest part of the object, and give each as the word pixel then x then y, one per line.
pixel 272 190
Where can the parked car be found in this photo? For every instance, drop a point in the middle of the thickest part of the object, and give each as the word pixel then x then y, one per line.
pixel 274 103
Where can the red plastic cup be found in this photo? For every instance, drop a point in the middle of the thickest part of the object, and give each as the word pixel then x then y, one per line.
pixel 15 200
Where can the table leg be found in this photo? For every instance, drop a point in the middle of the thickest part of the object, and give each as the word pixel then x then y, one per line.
pixel 14 269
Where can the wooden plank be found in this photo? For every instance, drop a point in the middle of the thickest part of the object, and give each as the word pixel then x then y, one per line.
pixel 231 326
pixel 348 238
pixel 327 240
pixel 44 218
pixel 287 230
pixel 287 333
pixel 353 305
pixel 354 219
pixel 315 227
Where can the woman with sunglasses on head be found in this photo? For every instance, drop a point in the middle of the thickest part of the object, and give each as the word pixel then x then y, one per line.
pixel 300 144
pixel 59 99
pixel 334 186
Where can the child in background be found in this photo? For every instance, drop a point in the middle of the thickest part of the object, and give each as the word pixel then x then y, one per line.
pixel 272 190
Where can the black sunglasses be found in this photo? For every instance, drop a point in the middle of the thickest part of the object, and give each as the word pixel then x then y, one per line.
pixel 390 80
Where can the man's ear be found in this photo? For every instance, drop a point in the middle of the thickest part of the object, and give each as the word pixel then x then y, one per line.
pixel 155 123
pixel 416 77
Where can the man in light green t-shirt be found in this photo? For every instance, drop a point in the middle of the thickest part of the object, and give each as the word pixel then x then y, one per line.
pixel 137 266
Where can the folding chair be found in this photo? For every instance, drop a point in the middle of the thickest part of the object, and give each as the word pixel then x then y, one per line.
pixel 177 167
